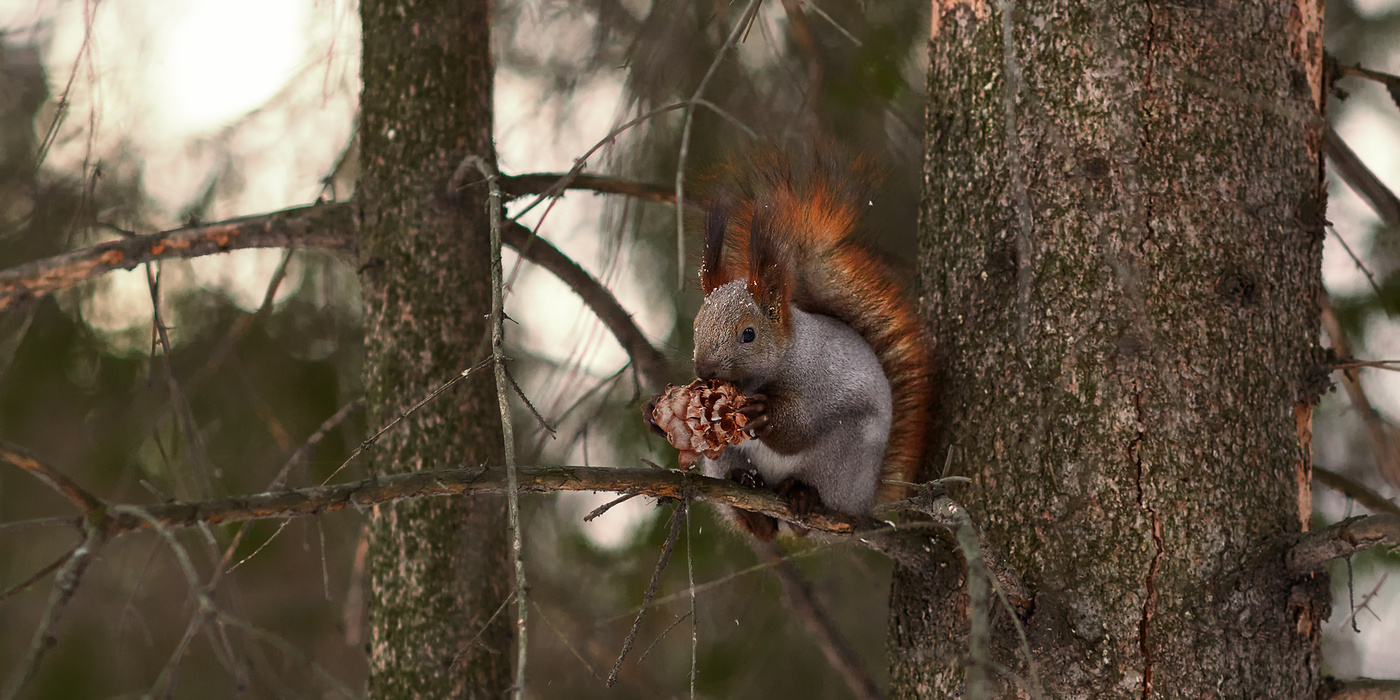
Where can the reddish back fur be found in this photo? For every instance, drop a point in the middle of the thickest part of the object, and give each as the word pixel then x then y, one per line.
pixel 808 224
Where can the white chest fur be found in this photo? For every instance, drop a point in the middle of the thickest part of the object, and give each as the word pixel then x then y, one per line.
pixel 773 466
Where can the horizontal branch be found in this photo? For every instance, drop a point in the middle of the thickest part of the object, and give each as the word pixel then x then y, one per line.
pixel 326 226
pixel 1342 539
pixel 906 543
pixel 661 483
pixel 540 183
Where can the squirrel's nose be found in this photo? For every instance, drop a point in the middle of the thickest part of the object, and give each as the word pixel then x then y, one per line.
pixel 705 369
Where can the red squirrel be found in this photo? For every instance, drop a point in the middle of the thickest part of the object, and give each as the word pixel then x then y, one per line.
pixel 818 331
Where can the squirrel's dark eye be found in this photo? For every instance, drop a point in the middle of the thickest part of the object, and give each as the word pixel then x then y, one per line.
pixel 747 336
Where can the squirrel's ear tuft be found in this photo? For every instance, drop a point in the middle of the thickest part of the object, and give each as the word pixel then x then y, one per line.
pixel 716 223
pixel 768 276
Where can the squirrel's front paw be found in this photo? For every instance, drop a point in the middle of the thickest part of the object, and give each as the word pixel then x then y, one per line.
pixel 801 497
pixel 756 410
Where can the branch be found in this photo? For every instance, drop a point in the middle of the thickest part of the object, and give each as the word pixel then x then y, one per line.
pixel 660 483
pixel 516 186
pixel 79 496
pixel 604 305
pixel 1342 539
pixel 1360 178
pixel 327 226
pixel 1378 431
pixel 803 602
pixel 1355 490
pixel 64 587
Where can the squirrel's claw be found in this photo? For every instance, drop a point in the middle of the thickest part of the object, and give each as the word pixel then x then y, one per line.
pixel 757 412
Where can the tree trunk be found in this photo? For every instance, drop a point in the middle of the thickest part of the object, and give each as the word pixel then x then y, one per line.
pixel 438 567
pixel 1121 241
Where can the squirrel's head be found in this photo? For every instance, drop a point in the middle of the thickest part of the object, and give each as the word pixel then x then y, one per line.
pixel 743 329
pixel 737 339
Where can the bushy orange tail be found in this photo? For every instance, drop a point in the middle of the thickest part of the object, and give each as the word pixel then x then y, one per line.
pixel 816 208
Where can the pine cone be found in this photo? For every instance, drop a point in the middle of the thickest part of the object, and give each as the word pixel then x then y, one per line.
pixel 701 417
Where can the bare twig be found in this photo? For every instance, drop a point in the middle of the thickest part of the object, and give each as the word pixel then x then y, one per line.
pixel 244 324
pixel 677 519
pixel 503 386
pixel 54 479
pixel 1378 432
pixel 933 502
pixel 39 575
pixel 280 480
pixel 515 386
pixel 1370 278
pixel 76 523
pixel 803 602
pixel 287 648
pixel 370 442
pixel 1392 365
pixel 201 468
pixel 663 634
pixel 473 480
pixel 565 641
pixel 536 183
pixel 608 506
pixel 694 615
pixel 1366 602
pixel 1342 539
pixel 64 587
pixel 1355 490
pixel 729 43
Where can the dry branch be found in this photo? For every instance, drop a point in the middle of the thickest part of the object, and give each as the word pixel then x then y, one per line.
pixel 540 183
pixel 79 496
pixel 1355 490
pixel 1343 539
pixel 473 480
pixel 803 601
pixel 1360 178
pixel 326 226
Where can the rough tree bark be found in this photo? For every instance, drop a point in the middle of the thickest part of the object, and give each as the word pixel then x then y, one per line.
pixel 1121 239
pixel 438 567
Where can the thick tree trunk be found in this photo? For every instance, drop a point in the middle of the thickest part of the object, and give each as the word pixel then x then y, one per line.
pixel 1124 294
pixel 438 567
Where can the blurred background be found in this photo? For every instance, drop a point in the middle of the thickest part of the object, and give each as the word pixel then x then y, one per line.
pixel 145 115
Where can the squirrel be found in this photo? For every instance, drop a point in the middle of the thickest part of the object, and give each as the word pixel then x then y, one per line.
pixel 817 331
